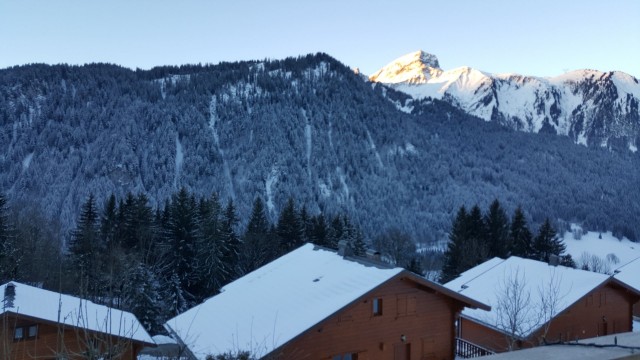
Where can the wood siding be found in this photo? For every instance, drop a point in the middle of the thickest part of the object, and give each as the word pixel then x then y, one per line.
pixel 52 340
pixel 604 311
pixel 416 324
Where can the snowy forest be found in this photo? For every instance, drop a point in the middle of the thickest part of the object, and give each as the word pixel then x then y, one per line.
pixel 307 128
pixel 160 262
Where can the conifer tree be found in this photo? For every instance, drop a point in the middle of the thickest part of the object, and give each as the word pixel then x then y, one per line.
pixel 319 230
pixel 85 250
pixel 305 224
pixel 358 244
pixel 335 233
pixel 455 248
pixel 109 222
pixel 180 236
pixel 257 245
pixel 476 250
pixel 9 257
pixel 547 243
pixel 231 242
pixel 289 228
pixel 520 236
pixel 142 296
pixel 497 231
pixel 210 249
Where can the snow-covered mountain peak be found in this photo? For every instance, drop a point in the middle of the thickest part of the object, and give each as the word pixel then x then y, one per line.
pixel 592 107
pixel 413 68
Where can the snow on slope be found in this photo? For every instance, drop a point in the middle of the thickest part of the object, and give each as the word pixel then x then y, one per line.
pixel 601 250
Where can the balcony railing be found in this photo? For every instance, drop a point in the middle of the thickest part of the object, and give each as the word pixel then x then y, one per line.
pixel 467 350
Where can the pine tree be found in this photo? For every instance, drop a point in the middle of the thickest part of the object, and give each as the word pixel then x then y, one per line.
pixel 305 224
pixel 9 256
pixel 289 228
pixel 475 248
pixel 85 251
pixel 109 222
pixel 210 249
pixel 142 296
pixel 497 228
pixel 180 236
pixel 231 242
pixel 455 248
pixel 319 230
pixel 257 246
pixel 520 236
pixel 547 243
pixel 335 233
pixel 358 244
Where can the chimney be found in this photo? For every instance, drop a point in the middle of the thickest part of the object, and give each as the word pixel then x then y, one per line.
pixel 554 260
pixel 9 295
pixel 373 255
pixel 344 249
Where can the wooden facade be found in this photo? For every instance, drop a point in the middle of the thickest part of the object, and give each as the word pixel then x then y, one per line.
pixel 25 338
pixel 409 321
pixel 605 310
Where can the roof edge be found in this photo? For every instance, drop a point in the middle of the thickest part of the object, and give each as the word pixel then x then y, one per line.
pixel 467 301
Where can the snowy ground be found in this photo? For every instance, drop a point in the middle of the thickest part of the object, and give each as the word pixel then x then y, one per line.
pixel 600 249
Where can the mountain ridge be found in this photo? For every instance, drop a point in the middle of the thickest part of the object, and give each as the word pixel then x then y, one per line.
pixel 593 108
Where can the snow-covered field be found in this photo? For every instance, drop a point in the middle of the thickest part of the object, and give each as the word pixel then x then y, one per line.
pixel 603 251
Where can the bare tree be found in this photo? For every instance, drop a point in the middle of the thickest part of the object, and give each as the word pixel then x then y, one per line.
pixel 550 297
pixel 516 315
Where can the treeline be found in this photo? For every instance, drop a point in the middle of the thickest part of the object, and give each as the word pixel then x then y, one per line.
pixel 160 262
pixel 476 237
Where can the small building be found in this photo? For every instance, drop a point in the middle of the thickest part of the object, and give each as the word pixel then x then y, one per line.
pixel 41 324
pixel 629 274
pixel 534 303
pixel 314 303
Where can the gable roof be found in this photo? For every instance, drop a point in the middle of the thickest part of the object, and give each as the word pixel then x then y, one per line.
pixel 487 283
pixel 629 274
pixel 272 305
pixel 54 307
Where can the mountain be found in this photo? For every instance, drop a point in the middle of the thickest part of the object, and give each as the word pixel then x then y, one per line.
pixel 591 107
pixel 304 127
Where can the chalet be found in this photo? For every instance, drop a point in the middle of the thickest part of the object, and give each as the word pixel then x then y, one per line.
pixel 315 303
pixel 628 274
pixel 534 303
pixel 41 324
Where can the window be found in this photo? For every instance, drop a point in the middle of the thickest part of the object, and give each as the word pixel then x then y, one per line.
pixel 33 331
pixel 377 307
pixel 25 332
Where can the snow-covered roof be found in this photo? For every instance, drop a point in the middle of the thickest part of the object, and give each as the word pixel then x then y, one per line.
pixel 488 283
pixel 270 306
pixel 629 274
pixel 72 311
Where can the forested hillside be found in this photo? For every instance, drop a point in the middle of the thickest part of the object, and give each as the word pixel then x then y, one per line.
pixel 304 127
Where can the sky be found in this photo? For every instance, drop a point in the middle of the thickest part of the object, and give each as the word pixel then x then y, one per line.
pixel 541 38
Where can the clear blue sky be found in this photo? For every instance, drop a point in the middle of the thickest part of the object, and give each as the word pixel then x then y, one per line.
pixel 542 37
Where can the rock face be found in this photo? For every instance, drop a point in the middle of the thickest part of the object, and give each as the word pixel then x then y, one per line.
pixel 593 108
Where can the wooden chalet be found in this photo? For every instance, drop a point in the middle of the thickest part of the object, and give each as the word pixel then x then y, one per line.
pixel 315 303
pixel 630 274
pixel 40 324
pixel 534 303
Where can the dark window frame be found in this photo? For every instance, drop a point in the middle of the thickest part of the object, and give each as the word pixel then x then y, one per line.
pixel 377 306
